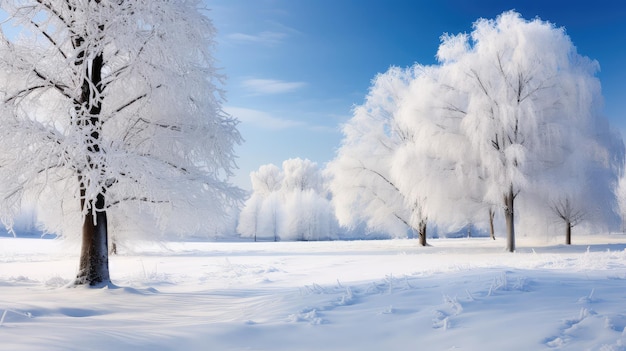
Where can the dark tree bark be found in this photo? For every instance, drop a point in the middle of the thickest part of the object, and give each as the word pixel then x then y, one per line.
pixel 568 232
pixel 509 217
pixel 492 231
pixel 113 247
pixel 422 233
pixel 94 257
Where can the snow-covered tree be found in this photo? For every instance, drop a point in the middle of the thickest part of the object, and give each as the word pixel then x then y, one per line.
pixel 300 175
pixel 288 204
pixel 525 83
pixel 306 216
pixel 266 180
pixel 509 117
pixel 361 184
pixel 307 212
pixel 112 109
pixel 260 212
pixel 436 168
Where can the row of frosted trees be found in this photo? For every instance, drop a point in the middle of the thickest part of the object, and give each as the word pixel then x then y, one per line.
pixel 288 204
pixel 509 121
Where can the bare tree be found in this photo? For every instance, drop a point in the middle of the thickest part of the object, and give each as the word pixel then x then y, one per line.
pixel 566 210
pixel 113 105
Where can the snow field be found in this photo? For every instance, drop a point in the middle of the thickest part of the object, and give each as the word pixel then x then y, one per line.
pixel 461 294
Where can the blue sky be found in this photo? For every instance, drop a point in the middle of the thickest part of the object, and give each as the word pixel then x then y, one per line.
pixel 296 68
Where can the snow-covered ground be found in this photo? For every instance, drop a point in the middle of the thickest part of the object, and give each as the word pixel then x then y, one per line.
pixel 458 294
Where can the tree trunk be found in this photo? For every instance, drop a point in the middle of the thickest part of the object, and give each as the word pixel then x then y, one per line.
pixel 492 231
pixel 568 233
pixel 113 249
pixel 94 257
pixel 275 226
pixel 509 217
pixel 421 232
pixel 93 269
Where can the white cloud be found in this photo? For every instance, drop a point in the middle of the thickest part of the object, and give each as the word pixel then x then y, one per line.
pixel 264 38
pixel 268 121
pixel 273 37
pixel 270 86
pixel 262 119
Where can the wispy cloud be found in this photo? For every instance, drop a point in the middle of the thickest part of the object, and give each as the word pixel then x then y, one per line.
pixel 268 121
pixel 271 37
pixel 262 119
pixel 270 86
pixel 268 38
